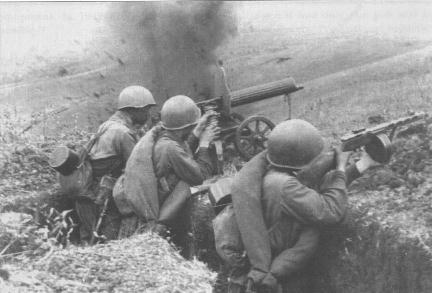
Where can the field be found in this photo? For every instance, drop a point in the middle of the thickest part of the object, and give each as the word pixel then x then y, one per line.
pixel 355 60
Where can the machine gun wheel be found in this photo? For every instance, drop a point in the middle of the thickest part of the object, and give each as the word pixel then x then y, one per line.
pixel 251 136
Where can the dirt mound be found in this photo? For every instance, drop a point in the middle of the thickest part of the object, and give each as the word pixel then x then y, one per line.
pixel 384 245
pixel 399 194
pixel 143 262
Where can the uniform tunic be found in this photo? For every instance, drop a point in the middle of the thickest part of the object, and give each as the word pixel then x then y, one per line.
pixel 108 156
pixel 174 161
pixel 292 215
pixel 293 240
pixel 115 144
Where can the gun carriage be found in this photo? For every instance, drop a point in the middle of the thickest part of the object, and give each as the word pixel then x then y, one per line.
pixel 249 135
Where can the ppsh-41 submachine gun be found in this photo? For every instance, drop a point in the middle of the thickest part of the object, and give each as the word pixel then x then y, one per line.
pixel 377 142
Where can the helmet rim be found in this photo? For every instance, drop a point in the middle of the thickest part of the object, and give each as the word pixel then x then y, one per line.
pixel 284 166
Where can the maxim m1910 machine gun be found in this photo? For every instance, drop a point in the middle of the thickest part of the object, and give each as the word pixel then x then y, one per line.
pixel 249 135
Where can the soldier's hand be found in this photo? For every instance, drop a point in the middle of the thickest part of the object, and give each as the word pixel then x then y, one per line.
pixel 365 162
pixel 341 159
pixel 203 121
pixel 209 134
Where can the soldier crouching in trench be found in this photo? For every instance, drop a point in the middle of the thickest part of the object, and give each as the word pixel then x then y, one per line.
pixel 272 230
pixel 108 158
pixel 168 160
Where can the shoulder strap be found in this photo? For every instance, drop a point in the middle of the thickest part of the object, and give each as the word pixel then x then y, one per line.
pixel 91 143
pixel 93 140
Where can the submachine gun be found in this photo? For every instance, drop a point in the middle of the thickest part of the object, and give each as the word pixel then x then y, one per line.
pixel 377 142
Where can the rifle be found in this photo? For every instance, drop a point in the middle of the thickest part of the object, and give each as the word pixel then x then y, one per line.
pixel 104 195
pixel 376 141
pixel 96 237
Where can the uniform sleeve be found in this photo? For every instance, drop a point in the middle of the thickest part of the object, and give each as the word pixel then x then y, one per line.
pixel 295 258
pixel 204 161
pixel 124 144
pixel 193 142
pixel 191 171
pixel 310 207
pixel 202 156
pixel 351 174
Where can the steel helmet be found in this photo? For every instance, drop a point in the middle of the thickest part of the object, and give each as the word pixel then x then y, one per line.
pixel 179 112
pixel 294 144
pixel 135 96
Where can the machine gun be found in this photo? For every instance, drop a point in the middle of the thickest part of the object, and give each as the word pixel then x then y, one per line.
pixel 248 135
pixel 375 140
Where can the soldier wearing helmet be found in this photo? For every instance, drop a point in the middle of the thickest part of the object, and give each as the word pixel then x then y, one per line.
pixel 169 159
pixel 181 150
pixel 119 138
pixel 109 154
pixel 291 213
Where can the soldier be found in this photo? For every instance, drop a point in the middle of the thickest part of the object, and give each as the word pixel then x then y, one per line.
pixel 181 153
pixel 165 163
pixel 108 158
pixel 284 241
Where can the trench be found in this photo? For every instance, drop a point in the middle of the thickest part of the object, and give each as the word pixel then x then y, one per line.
pixel 357 256
pixel 365 253
pixel 383 244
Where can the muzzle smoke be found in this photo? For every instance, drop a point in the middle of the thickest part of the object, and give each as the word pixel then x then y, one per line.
pixel 177 40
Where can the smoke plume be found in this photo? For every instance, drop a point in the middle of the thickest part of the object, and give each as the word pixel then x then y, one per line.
pixel 177 40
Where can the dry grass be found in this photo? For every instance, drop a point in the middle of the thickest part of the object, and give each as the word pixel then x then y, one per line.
pixel 141 263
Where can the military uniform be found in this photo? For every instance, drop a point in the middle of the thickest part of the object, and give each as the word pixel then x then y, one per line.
pixel 174 161
pixel 108 157
pixel 289 210
pixel 174 168
pixel 176 165
pixel 161 169
pixel 292 214
pixel 113 148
